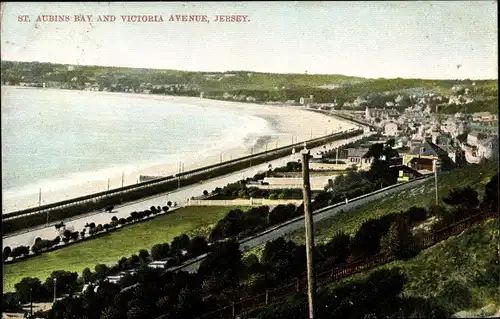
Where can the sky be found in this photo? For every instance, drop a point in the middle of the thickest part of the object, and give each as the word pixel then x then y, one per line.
pixel 439 40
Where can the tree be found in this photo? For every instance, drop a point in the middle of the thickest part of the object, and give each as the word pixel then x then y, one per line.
pixel 67 233
pixel 143 255
pixel 399 241
pixel 20 251
pixel 223 262
pixel 101 271
pixel 205 193
pixel 189 304
pixel 65 281
pixel 25 285
pixel 121 221
pixel 6 252
pixel 160 251
pixel 87 275
pixel 99 228
pixel 74 235
pixel 198 246
pixel 179 243
pixel 337 249
pixel 490 199
pixel 110 208
pixel 169 204
pixel 114 218
pixel 462 197
pixel 106 227
pixel 164 209
pixel 111 312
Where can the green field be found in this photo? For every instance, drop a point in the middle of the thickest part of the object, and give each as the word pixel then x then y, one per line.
pixel 423 196
pixel 111 247
pixel 453 272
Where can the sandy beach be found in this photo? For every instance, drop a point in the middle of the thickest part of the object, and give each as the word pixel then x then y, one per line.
pixel 291 123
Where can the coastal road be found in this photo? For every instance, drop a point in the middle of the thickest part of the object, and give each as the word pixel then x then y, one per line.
pixel 180 196
pixel 298 223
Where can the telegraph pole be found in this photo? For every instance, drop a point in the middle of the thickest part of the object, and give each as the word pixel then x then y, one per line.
pixel 123 175
pixel 31 302
pixel 108 184
pixel 55 284
pixel 436 167
pixel 311 285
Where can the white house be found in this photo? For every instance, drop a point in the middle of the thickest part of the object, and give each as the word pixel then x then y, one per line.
pixel 488 147
pixel 391 129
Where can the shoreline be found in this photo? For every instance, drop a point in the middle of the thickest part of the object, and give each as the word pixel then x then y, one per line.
pixel 288 124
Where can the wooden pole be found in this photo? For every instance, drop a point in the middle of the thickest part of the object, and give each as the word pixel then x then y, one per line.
pixel 311 285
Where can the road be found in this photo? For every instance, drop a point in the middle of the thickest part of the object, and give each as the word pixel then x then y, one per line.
pixel 180 196
pixel 298 223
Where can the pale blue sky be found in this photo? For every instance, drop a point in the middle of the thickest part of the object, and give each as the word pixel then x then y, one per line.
pixel 370 39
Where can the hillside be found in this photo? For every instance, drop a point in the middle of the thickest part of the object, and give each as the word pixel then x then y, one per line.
pixel 462 273
pixel 424 195
pixel 245 85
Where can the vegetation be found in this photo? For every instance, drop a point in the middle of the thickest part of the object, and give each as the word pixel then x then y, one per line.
pixel 461 273
pixel 260 87
pixel 475 176
pixel 225 273
pixel 115 245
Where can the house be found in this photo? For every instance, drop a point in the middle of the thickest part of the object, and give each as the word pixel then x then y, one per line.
pixel 456 154
pixel 391 129
pixel 306 101
pixel 484 117
pixel 488 147
pixel 380 113
pixel 357 156
pixel 406 173
pixel 423 155
pixel 474 137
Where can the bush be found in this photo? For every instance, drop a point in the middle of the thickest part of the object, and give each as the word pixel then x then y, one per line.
pixel 56 241
pixel 20 251
pixel 143 255
pixel 74 235
pixel 6 252
pixel 399 240
pixel 160 251
pixel 273 196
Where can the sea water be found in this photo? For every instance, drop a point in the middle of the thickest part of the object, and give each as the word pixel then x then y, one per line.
pixel 52 139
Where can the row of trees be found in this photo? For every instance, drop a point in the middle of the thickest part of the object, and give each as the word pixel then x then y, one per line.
pixel 42 245
pixel 241 224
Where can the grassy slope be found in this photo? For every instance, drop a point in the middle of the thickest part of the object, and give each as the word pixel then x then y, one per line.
pixel 110 248
pixel 423 195
pixel 449 271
